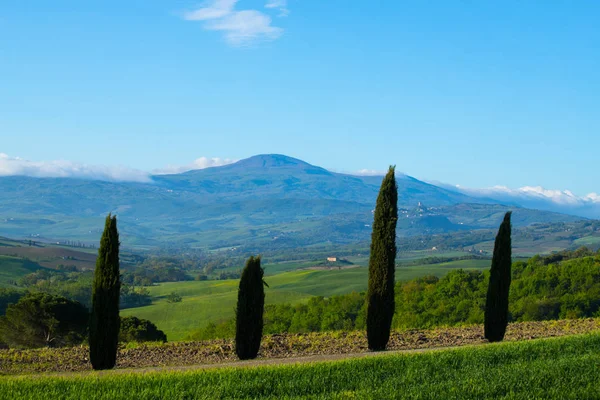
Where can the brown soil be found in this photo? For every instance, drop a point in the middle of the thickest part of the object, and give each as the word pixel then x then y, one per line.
pixel 51 257
pixel 277 349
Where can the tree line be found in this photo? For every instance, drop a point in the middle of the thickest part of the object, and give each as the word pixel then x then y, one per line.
pixel 75 285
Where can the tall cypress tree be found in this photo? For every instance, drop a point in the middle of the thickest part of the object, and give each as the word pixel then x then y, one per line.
pixel 104 320
pixel 250 309
pixel 496 305
pixel 382 264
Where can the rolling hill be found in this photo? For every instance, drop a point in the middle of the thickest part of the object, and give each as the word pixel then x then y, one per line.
pixel 265 201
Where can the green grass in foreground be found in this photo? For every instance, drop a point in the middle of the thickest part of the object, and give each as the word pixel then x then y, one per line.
pixel 563 368
pixel 214 301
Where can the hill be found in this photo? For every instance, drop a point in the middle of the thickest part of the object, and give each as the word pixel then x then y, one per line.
pixel 266 201
pixel 13 268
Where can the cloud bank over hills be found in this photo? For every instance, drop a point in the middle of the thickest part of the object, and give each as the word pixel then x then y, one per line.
pixel 16 166
pixel 537 197
pixel 199 163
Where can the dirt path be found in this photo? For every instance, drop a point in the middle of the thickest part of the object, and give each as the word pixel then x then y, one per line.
pixel 275 349
pixel 259 362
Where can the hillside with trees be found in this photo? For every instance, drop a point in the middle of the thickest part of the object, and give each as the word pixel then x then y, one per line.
pixel 561 286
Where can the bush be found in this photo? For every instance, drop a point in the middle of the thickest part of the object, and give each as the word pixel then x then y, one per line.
pixel 132 297
pixel 174 298
pixel 134 329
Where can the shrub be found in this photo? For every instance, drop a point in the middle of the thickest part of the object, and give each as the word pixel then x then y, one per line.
pixel 134 329
pixel 174 297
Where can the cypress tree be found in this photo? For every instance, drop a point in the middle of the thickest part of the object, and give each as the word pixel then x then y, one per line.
pixel 104 320
pixel 496 306
pixel 382 264
pixel 250 309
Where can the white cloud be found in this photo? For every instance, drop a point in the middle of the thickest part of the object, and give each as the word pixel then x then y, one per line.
pixel 239 28
pixel 10 166
pixel 245 27
pixel 15 166
pixel 565 197
pixel 280 5
pixel 216 9
pixel 199 163
pixel 593 197
pixel 369 172
pixel 538 197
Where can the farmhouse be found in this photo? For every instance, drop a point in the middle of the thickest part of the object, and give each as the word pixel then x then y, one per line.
pixel 332 259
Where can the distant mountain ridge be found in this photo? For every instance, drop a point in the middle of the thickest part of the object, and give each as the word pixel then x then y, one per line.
pixel 284 177
pixel 264 199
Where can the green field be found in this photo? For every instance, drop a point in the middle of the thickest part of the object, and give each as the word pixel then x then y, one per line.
pixel 213 301
pixel 13 268
pixel 403 257
pixel 415 255
pixel 559 368
pixel 437 269
pixel 588 241
pixel 277 267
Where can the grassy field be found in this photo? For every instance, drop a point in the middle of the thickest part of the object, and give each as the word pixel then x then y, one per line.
pixel 278 267
pixel 13 268
pixel 419 254
pixel 559 368
pixel 212 301
pixel 437 269
pixel 588 241
pixel 406 256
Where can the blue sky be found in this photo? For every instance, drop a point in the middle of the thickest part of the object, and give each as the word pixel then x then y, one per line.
pixel 476 93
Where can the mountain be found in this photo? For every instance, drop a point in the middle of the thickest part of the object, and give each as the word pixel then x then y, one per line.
pixel 265 200
pixel 280 176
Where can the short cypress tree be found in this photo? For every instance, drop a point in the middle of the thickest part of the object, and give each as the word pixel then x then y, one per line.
pixel 250 309
pixel 496 306
pixel 104 319
pixel 382 264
